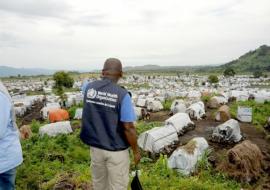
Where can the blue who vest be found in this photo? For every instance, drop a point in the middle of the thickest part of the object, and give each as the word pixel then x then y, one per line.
pixel 101 126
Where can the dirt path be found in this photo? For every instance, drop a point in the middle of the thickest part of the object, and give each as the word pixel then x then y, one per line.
pixel 33 114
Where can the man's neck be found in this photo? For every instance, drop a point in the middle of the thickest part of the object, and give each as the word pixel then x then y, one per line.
pixel 114 80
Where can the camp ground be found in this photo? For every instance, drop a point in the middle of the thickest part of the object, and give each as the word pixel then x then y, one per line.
pixel 189 132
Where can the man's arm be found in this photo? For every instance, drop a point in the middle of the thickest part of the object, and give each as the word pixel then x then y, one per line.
pixel 127 118
pixel 131 136
pixel 4 114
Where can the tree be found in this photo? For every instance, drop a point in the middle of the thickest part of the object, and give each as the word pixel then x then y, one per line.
pixel 213 79
pixel 229 72
pixel 257 74
pixel 63 79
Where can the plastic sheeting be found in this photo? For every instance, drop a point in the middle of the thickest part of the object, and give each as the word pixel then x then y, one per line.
pixel 178 106
pixel 141 102
pixel 228 132
pixel 244 114
pixel 196 110
pixel 181 122
pixel 55 129
pixel 185 158
pixel 156 139
pixel 138 112
pixel 78 113
pixel 154 106
pixel 50 106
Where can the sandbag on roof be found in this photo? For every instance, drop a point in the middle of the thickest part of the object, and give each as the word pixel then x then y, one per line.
pixel 25 132
pixel 228 132
pixel 54 129
pixel 156 139
pixel 78 113
pixel 216 101
pixel 178 106
pixel 223 114
pixel 56 115
pixel 185 158
pixel 244 162
pixel 196 110
pixel 154 106
pixel 181 122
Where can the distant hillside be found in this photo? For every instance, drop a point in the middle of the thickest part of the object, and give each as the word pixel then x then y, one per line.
pixel 258 59
pixel 163 68
pixel 10 71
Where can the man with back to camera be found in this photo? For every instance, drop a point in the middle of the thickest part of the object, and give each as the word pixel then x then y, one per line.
pixel 107 126
pixel 10 147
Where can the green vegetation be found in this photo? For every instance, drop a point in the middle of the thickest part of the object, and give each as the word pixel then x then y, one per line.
pixel 229 72
pixel 48 161
pixel 260 111
pixel 167 104
pixel 63 79
pixel 257 74
pixel 213 79
pixel 257 60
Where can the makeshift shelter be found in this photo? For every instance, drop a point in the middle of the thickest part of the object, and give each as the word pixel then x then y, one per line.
pixel 244 114
pixel 154 106
pixel 216 101
pixel 223 114
pixel 181 122
pixel 185 158
pixel 196 110
pixel 228 132
pixel 178 106
pixel 156 139
pixel 141 102
pixel 138 112
pixel 267 125
pixel 56 115
pixel 50 106
pixel 53 129
pixel 78 113
pixel 244 162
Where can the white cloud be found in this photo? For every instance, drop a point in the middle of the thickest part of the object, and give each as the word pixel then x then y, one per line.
pixel 82 34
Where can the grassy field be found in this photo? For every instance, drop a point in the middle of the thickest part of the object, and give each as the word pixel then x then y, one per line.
pixel 49 161
pixel 260 111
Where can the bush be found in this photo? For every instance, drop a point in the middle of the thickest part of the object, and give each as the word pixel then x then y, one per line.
pixel 229 72
pixel 213 79
pixel 257 74
pixel 63 79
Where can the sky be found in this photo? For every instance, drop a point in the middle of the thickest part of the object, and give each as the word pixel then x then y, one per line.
pixel 81 34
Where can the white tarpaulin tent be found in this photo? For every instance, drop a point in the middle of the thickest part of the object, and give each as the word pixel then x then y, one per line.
pixel 156 139
pixel 228 132
pixel 78 113
pixel 196 110
pixel 154 106
pixel 181 122
pixel 50 106
pixel 178 106
pixel 185 158
pixel 54 129
pixel 244 114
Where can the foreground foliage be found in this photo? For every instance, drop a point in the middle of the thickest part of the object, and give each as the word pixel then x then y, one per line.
pixel 47 161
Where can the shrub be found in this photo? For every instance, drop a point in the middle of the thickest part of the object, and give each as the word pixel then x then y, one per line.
pixel 229 72
pixel 63 79
pixel 213 79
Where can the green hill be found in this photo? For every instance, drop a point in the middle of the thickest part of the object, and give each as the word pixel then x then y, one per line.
pixel 257 60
